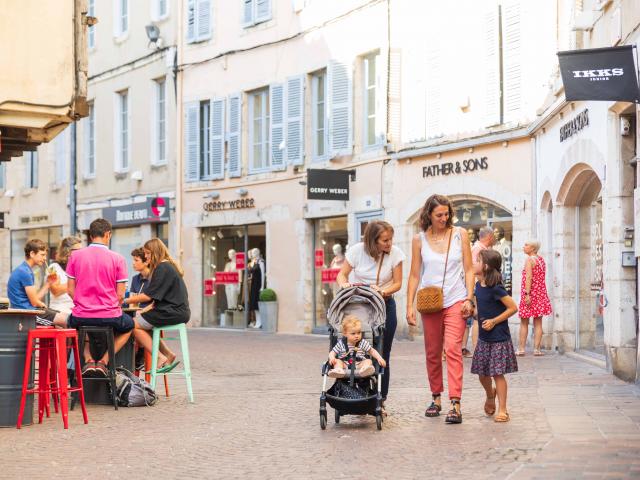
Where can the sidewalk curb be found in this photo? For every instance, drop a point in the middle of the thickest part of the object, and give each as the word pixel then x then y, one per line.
pixel 596 362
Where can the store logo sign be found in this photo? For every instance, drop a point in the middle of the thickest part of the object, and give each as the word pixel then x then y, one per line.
pixel 153 210
pixel 574 125
pixel 328 184
pixel 454 168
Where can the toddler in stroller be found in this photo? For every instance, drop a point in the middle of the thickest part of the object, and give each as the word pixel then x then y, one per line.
pixel 353 345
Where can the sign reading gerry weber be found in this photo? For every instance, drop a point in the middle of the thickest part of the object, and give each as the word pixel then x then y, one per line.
pixel 451 168
pixel 327 184
pixel 154 210
pixel 600 74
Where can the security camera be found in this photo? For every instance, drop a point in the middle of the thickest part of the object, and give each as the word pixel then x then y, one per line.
pixel 625 126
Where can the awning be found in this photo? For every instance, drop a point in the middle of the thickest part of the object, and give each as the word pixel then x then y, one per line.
pixel 600 74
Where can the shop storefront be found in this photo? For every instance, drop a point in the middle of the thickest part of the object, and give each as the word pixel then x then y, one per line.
pixel 51 235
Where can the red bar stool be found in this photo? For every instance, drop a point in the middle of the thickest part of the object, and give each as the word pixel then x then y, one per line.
pixel 47 349
pixel 52 345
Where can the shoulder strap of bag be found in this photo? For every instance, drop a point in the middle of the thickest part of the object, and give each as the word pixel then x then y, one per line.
pixel 379 268
pixel 444 276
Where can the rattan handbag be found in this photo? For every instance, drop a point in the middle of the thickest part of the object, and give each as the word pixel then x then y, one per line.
pixel 431 299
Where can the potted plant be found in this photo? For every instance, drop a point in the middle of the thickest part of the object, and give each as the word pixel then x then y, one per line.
pixel 268 308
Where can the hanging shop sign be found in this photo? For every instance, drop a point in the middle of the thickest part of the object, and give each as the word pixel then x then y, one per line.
pixel 227 278
pixel 328 184
pixel 574 125
pixel 240 260
pixel 209 287
pixel 217 205
pixel 34 219
pixel 329 275
pixel 153 210
pixel 455 168
pixel 600 74
pixel 319 257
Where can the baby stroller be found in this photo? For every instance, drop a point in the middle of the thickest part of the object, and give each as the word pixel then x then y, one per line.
pixel 352 395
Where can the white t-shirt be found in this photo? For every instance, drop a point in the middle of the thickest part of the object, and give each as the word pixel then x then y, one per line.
pixel 63 303
pixel 365 268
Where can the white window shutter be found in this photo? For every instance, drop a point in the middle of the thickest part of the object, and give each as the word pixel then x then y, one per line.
pixel 191 141
pixel 263 10
pixel 86 145
pixel 204 19
pixel 61 148
pixel 216 140
pixel 276 130
pixel 234 135
pixel 340 108
pixel 512 61
pixel 492 62
pixel 117 13
pixel 381 98
pixel 433 94
pixel 295 120
pixel 191 21
pixel 247 12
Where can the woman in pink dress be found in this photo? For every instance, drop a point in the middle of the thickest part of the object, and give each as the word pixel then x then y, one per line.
pixel 534 301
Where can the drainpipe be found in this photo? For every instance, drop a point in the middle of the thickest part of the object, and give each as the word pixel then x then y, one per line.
pixel 179 148
pixel 73 192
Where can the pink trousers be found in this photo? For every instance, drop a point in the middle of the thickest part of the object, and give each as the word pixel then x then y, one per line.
pixel 445 327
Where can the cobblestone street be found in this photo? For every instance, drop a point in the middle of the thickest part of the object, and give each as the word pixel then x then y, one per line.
pixel 256 416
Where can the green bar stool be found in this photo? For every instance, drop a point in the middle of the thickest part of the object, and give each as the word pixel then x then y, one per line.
pixel 184 346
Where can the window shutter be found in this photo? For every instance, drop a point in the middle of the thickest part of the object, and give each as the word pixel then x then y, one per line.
pixel 381 98
pixel 492 95
pixel 234 135
pixel 247 13
pixel 86 146
pixel 61 151
pixel 191 21
pixel 191 136
pixel 117 13
pixel 263 10
pixel 204 19
pixel 340 108
pixel 434 91
pixel 276 130
pixel 512 61
pixel 295 120
pixel 216 140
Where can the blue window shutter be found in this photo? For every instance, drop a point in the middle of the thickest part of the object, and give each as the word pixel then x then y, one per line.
pixel 191 21
pixel 191 140
pixel 492 62
pixel 247 13
pixel 263 10
pixel 276 131
pixel 340 108
pixel 204 19
pixel 295 120
pixel 216 140
pixel 234 135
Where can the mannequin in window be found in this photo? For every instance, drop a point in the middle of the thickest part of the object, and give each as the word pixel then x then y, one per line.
pixel 232 290
pixel 257 276
pixel 338 256
pixel 503 246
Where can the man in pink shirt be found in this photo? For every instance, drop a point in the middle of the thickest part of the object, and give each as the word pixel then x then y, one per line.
pixel 97 280
pixel 485 242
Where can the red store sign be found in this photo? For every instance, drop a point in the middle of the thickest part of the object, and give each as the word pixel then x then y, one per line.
pixel 319 256
pixel 225 278
pixel 209 287
pixel 329 275
pixel 240 261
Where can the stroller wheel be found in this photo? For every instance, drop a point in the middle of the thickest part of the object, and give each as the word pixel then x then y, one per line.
pixel 323 420
pixel 337 416
pixel 379 422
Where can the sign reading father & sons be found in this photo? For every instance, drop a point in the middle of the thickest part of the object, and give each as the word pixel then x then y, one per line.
pixel 454 168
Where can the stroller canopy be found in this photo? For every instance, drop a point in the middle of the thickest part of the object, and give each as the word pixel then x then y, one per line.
pixel 361 301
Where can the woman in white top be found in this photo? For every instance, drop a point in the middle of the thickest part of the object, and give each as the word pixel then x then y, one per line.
pixel 60 299
pixel 361 266
pixel 429 255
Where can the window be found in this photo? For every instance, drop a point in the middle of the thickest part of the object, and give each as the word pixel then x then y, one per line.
pixel 160 9
pixel 121 17
pixel 259 130
pixel 160 141
pixel 198 20
pixel 31 170
pixel 90 143
pixel 122 132
pixel 3 175
pixel 319 114
pixel 92 29
pixel 369 100
pixel 255 11
pixel 204 171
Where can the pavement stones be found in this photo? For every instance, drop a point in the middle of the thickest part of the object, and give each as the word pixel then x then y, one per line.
pixel 256 416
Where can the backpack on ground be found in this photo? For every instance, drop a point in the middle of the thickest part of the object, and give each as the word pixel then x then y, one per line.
pixel 132 391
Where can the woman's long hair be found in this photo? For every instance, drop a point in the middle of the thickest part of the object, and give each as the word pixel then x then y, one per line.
pixel 491 265
pixel 372 232
pixel 429 206
pixel 64 250
pixel 158 254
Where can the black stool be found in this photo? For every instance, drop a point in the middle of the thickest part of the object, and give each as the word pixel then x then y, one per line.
pixel 107 332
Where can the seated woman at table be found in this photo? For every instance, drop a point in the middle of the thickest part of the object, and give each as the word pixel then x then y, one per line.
pixel 169 305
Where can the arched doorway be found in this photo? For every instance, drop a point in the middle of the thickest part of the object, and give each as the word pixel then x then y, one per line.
pixel 580 194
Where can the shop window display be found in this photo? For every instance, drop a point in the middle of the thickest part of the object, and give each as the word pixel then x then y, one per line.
pixel 330 244
pixel 51 236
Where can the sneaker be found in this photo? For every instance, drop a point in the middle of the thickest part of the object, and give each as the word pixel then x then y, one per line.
pixel 89 369
pixel 101 369
pixel 139 360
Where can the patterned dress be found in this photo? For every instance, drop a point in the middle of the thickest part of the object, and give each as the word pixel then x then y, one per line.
pixel 540 305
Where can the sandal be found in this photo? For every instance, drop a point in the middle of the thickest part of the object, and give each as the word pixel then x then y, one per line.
pixel 538 353
pixel 466 353
pixel 502 418
pixel 488 408
pixel 434 409
pixel 519 353
pixel 454 415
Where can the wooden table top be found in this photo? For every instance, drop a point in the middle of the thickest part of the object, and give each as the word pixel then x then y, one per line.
pixel 13 311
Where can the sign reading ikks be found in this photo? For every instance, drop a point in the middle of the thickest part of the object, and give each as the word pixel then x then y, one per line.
pixel 600 74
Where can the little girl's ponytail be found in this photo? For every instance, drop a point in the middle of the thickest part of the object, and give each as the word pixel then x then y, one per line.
pixel 491 265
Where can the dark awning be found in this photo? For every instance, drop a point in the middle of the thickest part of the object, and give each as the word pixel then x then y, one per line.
pixel 600 74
